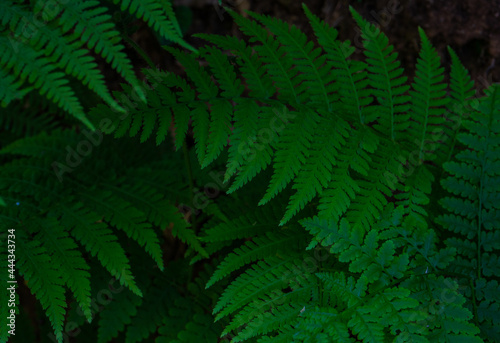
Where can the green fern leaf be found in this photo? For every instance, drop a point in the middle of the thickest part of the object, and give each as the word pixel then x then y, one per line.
pixel 99 241
pixel 385 77
pixel 56 45
pixel 44 280
pixel 29 64
pixel 116 315
pixel 296 142
pixel 251 67
pixel 278 63
pixel 428 101
pixel 315 75
pixel 317 173
pixel 257 151
pixel 158 15
pixel 68 261
pixel 260 247
pixel 10 88
pixel 123 216
pixel 94 28
pixel 350 74
pixel 461 91
pixel 473 204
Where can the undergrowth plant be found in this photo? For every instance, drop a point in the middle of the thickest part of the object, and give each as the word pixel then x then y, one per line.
pixel 45 44
pixel 330 199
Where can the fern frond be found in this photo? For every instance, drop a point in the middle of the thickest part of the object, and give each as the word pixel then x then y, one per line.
pixel 262 277
pixel 10 88
pixel 221 109
pixel 472 180
pixel 182 231
pixel 295 141
pixel 44 280
pixel 70 26
pixel 260 135
pixel 28 64
pixel 461 91
pixel 68 261
pixel 251 67
pixel 315 74
pixel 385 78
pixel 124 216
pixel 342 188
pixel 150 313
pixel 117 314
pixel 158 15
pixel 20 119
pixel 267 322
pixel 487 308
pixel 206 92
pixel 277 61
pixel 415 197
pixel 374 189
pixel 428 101
pixel 278 309
pixel 243 132
pixel 350 74
pixel 473 202
pixel 452 323
pixel 187 323
pixel 252 223
pixel 258 248
pixel 323 324
pixel 358 250
pixel 257 152
pixel 140 116
pixel 187 319
pixel 66 50
pixel 99 241
pixel 94 28
pixel 317 173
pixel 229 83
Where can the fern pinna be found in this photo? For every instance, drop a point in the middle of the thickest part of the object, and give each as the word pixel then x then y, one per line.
pixel 42 44
pixel 338 238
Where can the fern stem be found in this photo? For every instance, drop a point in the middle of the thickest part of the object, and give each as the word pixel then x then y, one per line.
pixel 139 50
pixel 190 180
pixel 479 223
pixel 474 304
pixel 480 194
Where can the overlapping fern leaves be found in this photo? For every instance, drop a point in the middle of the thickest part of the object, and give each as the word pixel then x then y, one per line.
pixel 65 217
pixel 472 211
pixel 296 91
pixel 41 45
pixel 338 246
pixel 355 141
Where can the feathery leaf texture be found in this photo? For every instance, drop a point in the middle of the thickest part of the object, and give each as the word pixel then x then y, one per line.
pixel 56 209
pixel 348 140
pixel 473 205
pixel 295 91
pixel 326 230
pixel 42 45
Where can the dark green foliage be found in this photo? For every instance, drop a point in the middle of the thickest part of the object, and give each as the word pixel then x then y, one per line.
pixel 359 115
pixel 320 223
pixel 44 43
pixel 473 206
pixel 52 207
